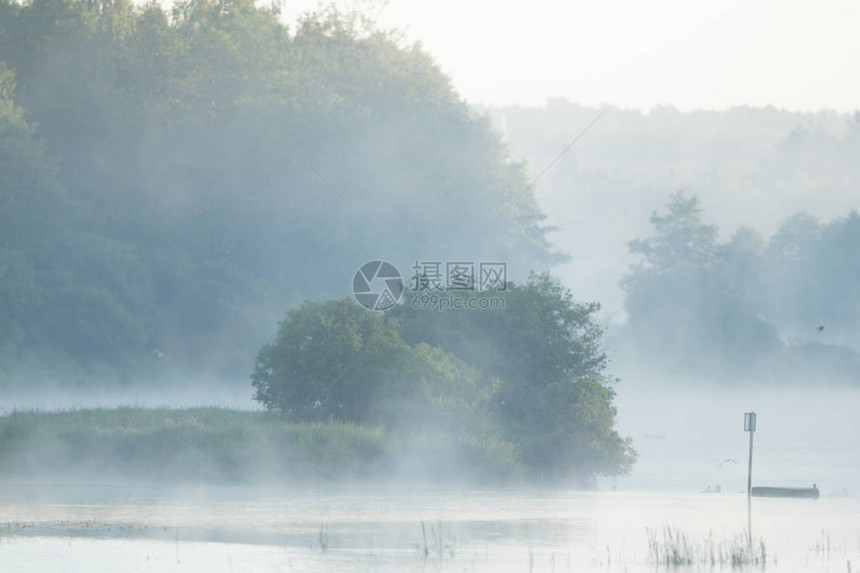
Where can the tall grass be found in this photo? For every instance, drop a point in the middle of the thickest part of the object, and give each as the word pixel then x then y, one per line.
pixel 676 548
pixel 225 445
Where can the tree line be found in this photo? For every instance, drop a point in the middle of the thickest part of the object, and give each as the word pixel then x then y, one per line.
pixel 171 179
pixel 785 309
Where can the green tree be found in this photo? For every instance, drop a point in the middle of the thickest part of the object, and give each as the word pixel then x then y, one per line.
pixel 329 359
pixel 554 397
pixel 31 206
pixel 681 237
pixel 163 214
pixel 18 293
pixel 31 200
pixel 338 360
pixel 691 303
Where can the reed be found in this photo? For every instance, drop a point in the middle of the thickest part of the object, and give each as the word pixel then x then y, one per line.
pixel 676 548
pixel 213 444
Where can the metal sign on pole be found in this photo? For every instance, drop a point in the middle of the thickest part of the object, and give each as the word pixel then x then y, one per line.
pixel 749 426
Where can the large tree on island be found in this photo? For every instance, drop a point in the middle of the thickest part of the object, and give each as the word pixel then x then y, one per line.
pixel 544 349
pixel 532 374
pixel 336 360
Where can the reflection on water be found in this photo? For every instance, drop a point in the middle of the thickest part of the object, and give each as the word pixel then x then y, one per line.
pixel 222 529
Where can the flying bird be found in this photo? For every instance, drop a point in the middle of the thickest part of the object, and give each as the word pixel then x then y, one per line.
pixel 820 328
pixel 727 460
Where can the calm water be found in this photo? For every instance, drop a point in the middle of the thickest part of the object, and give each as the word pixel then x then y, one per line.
pixel 141 529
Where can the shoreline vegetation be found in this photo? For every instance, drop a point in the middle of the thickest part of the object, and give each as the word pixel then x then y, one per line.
pixel 214 445
pixel 138 260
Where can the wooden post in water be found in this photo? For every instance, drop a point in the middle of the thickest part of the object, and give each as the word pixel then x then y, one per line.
pixel 749 426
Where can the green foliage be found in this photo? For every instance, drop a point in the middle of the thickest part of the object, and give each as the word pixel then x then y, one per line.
pixel 141 182
pixel 543 353
pixel 18 293
pixel 332 359
pixel 448 392
pixel 337 360
pixel 30 197
pixel 229 446
pixel 531 374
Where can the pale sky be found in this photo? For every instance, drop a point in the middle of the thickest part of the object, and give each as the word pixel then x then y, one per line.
pixel 800 56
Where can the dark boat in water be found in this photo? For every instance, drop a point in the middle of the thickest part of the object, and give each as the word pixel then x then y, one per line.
pixel 809 492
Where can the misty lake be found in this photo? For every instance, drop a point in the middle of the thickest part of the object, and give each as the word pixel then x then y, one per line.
pixel 684 444
pixel 366 286
pixel 107 528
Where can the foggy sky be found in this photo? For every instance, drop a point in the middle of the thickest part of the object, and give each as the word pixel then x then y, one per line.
pixel 714 55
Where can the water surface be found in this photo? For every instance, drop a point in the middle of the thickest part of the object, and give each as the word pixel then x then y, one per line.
pixel 107 528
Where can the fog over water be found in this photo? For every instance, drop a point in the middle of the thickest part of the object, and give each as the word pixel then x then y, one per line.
pixel 146 529
pixel 207 364
pixel 684 435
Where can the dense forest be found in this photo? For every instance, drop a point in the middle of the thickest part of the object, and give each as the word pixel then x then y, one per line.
pixel 171 181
